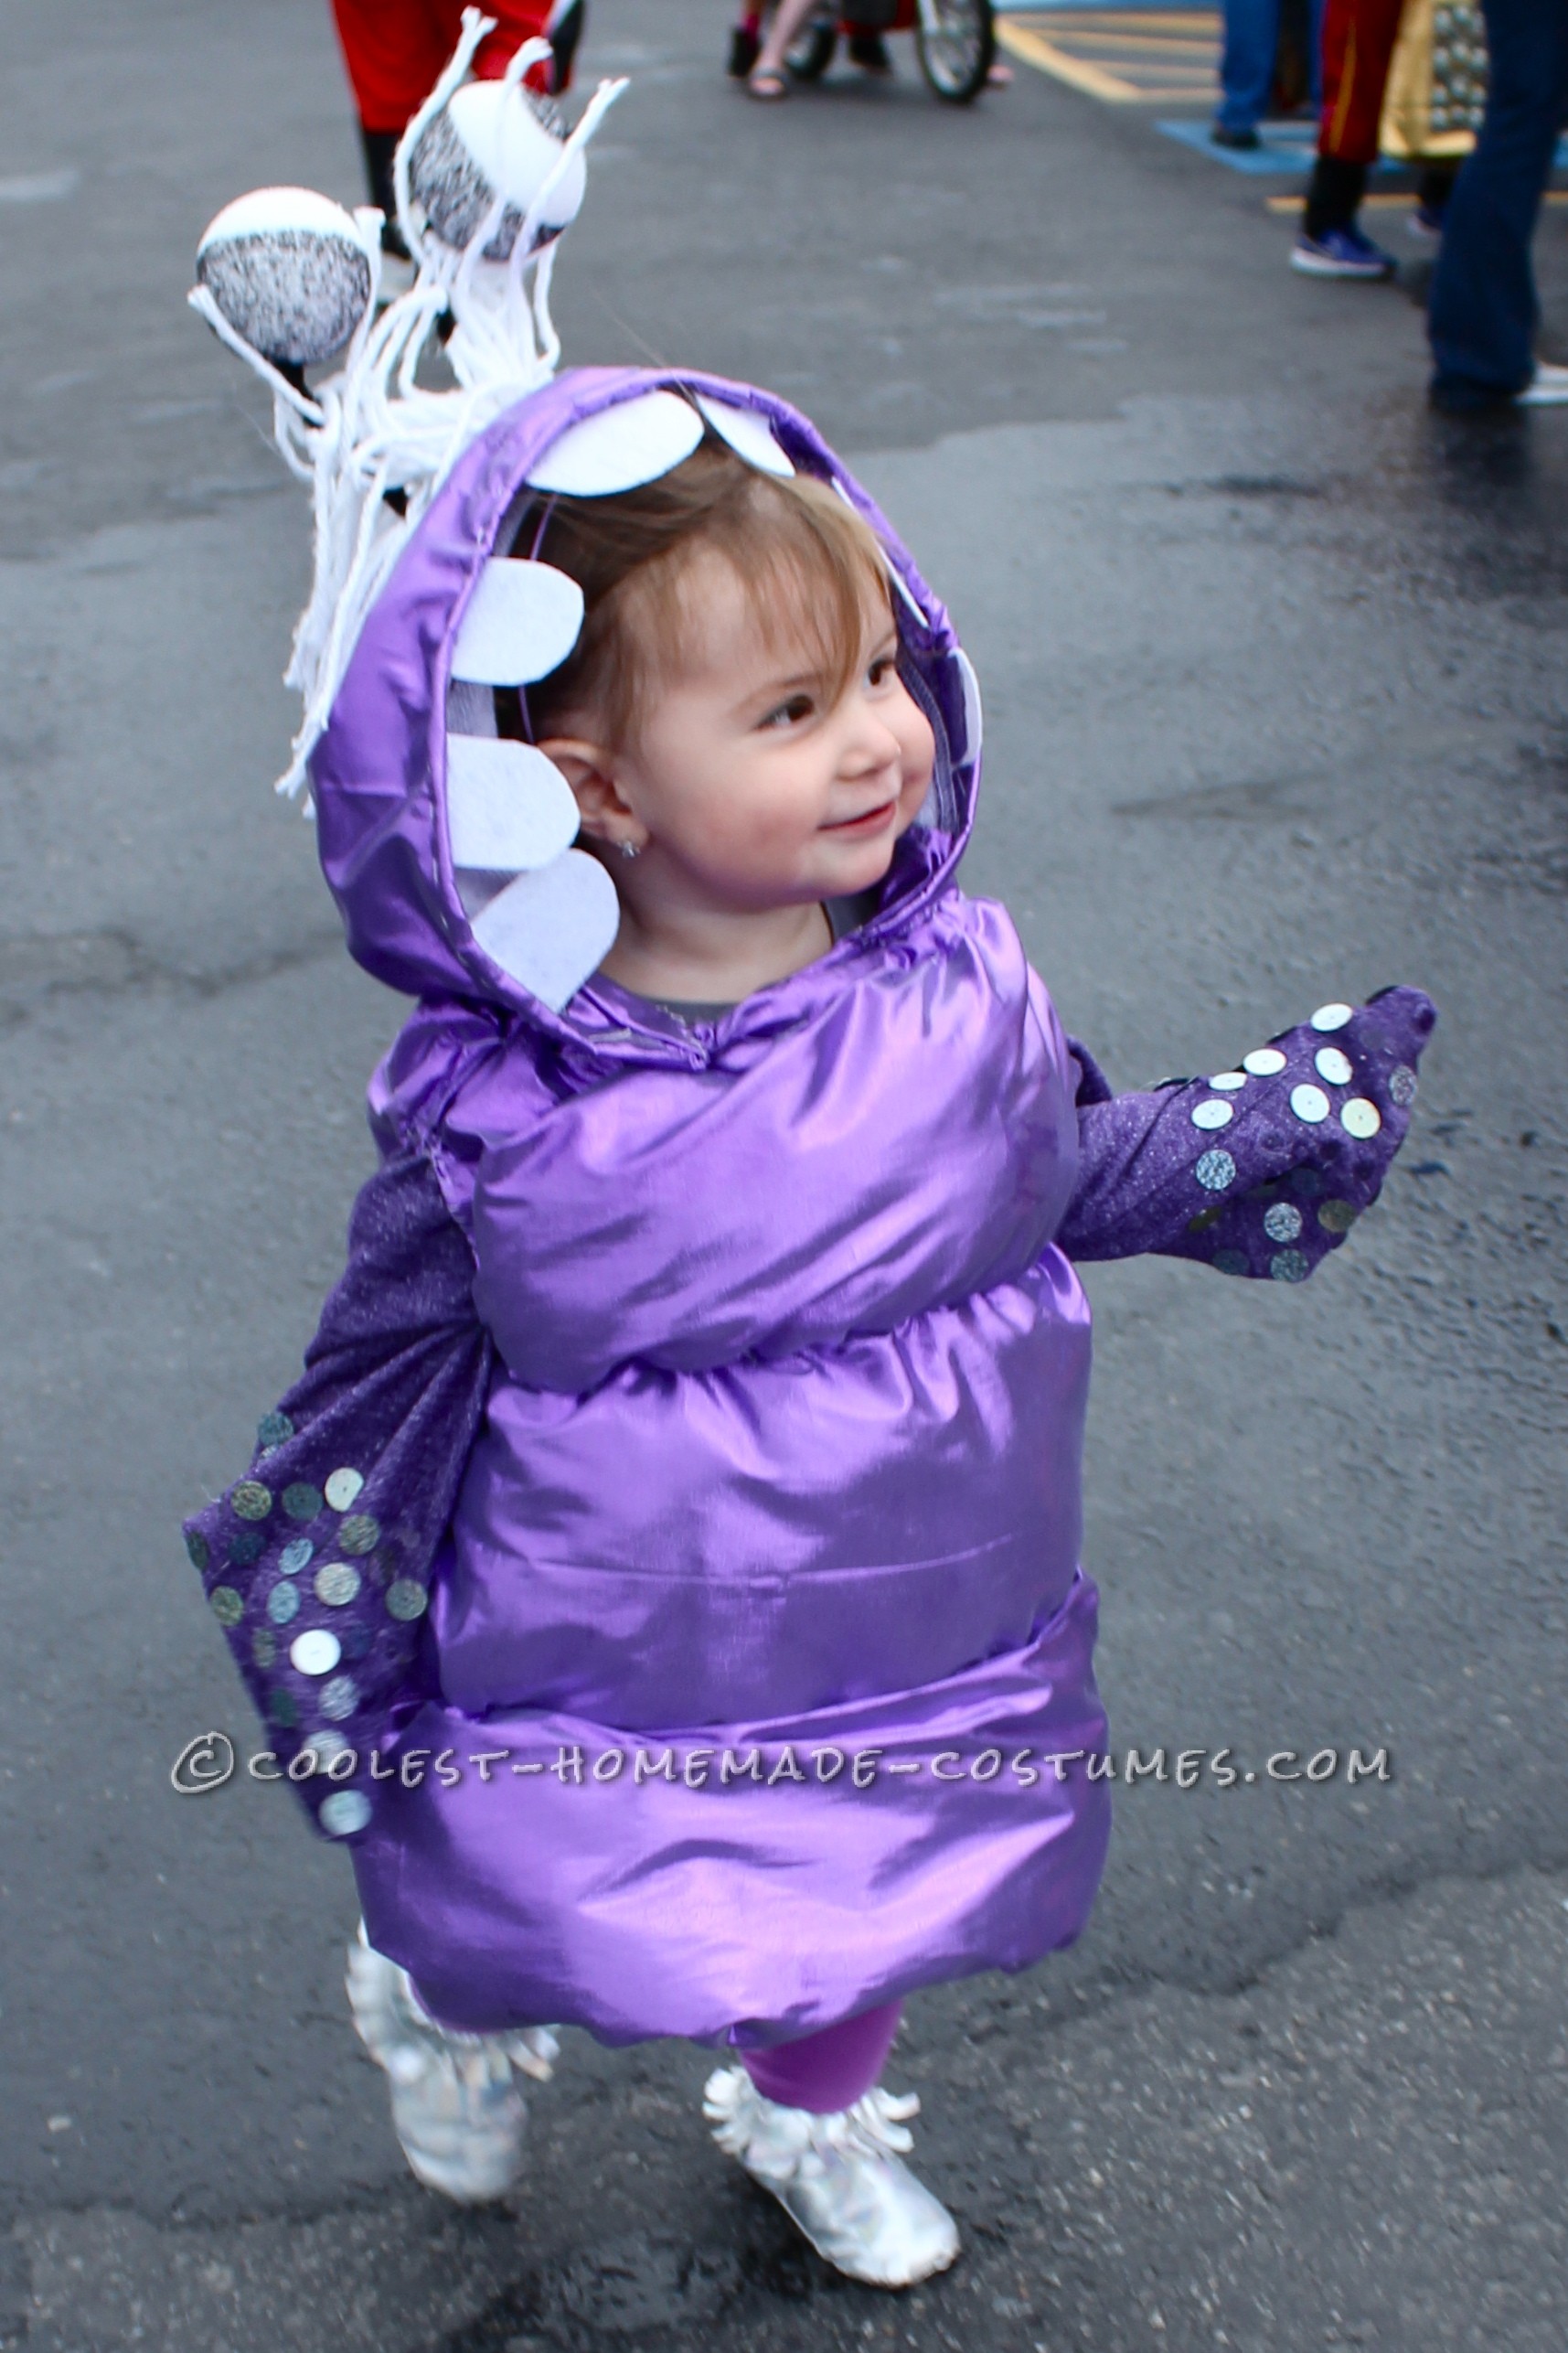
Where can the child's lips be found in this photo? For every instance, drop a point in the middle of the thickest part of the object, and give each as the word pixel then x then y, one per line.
pixel 868 821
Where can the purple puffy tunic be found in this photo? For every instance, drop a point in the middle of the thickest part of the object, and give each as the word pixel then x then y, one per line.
pixel 716 1396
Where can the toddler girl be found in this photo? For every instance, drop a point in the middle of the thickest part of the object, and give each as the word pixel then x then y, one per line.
pixel 666 1568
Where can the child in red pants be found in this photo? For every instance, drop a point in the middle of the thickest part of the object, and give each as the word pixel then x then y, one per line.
pixel 1359 38
pixel 395 50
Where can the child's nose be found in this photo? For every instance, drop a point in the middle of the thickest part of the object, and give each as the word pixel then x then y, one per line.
pixel 872 742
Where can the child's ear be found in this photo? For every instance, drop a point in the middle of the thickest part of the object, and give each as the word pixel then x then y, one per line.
pixel 588 769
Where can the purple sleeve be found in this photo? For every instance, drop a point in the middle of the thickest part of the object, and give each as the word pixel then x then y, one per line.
pixel 332 1534
pixel 1262 1170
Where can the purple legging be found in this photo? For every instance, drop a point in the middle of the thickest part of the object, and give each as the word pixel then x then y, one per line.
pixel 829 2070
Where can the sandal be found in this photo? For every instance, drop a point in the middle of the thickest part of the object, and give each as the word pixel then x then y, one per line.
pixel 767 83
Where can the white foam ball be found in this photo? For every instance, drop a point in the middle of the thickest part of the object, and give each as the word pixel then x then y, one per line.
pixel 489 141
pixel 289 270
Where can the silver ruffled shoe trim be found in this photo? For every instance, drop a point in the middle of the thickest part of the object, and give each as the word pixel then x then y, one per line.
pixel 456 2107
pixel 840 2179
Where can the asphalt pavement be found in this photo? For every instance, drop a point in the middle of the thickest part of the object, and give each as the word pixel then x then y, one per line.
pixel 1274 667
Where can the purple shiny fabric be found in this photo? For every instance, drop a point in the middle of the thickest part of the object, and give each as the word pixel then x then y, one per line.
pixel 755 1614
pixel 828 2071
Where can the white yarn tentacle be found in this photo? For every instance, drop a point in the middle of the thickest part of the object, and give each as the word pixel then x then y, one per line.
pixel 371 428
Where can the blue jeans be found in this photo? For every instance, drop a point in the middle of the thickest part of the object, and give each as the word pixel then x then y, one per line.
pixel 1246 68
pixel 1483 312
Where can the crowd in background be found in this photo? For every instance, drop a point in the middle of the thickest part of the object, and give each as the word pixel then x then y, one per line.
pixel 1420 75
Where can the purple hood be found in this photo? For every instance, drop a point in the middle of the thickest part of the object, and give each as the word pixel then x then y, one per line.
pixel 379 772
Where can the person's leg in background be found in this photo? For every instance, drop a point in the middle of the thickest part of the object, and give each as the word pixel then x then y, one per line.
pixel 394 49
pixel 1246 71
pixel 1358 49
pixel 565 30
pixel 766 78
pixel 1484 312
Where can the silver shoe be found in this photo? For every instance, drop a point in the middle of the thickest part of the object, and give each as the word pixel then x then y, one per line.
pixel 840 2179
pixel 456 2107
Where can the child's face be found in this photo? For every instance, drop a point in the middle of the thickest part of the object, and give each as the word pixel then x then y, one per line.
pixel 742 787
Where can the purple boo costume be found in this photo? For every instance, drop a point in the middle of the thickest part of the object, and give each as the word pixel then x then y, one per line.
pixel 695 1434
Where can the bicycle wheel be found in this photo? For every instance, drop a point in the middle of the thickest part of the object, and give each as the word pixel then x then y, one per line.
pixel 809 56
pixel 955 41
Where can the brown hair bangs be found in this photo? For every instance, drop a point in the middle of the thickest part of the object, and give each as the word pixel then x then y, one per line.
pixel 803 557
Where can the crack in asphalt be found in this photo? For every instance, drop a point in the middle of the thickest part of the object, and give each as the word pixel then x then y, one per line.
pixel 36 967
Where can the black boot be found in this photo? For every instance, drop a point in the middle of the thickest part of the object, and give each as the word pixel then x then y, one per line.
pixel 1334 196
pixel 870 52
pixel 380 147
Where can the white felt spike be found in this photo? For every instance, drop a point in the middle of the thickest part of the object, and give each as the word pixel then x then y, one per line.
pixel 749 435
pixel 552 929
pixel 508 810
pixel 907 593
pixel 970 747
pixel 620 448
pixel 523 619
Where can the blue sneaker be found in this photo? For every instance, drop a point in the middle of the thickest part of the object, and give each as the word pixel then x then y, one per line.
pixel 1340 253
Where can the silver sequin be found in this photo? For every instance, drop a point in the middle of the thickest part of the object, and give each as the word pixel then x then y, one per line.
pixel 1227 1081
pixel 296 1556
pixel 1338 1216
pixel 1264 1062
pixel 302 1501
pixel 1332 1017
pixel 1212 1114
pixel 274 1430
pixel 282 1603
pixel 359 1533
pixel 1333 1065
pixel 339 1697
pixel 252 1500
pixel 406 1599
pixel 1360 1118
pixel 226 1605
pixel 315 1653
pixel 1229 1262
pixel 1289 1266
pixel 1215 1170
pixel 344 1812
pixel 338 1582
pixel 1402 1084
pixel 1310 1103
pixel 1283 1222
pixel 196 1551
pixel 263 1646
pixel 326 1747
pixel 342 1488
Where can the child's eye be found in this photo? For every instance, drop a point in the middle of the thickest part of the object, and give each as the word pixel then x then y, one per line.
pixel 882 669
pixel 791 712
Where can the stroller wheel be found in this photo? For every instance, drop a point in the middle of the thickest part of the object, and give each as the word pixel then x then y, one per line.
pixel 955 41
pixel 810 55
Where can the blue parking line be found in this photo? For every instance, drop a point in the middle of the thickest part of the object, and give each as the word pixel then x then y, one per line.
pixel 1283 147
